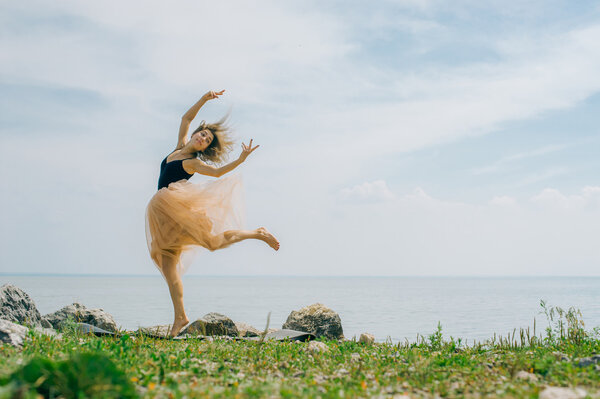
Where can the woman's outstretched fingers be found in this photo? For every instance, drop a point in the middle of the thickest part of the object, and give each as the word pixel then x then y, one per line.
pixel 211 95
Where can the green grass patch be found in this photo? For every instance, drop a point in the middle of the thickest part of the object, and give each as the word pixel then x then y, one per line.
pixel 138 366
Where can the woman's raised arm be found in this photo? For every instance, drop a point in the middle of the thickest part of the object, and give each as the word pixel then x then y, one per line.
pixel 200 167
pixel 189 116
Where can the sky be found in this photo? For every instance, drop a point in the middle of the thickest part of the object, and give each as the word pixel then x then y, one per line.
pixel 402 137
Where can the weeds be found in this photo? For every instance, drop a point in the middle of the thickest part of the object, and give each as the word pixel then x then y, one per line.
pixel 80 375
pixel 86 366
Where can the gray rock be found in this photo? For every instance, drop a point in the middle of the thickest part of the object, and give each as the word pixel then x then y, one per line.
pixel 246 330
pixel 317 347
pixel 366 338
pixel 588 361
pixel 12 334
pixel 562 393
pixel 212 324
pixel 561 356
pixel 48 332
pixel 81 314
pixel 18 307
pixel 155 331
pixel 316 319
pixel 524 375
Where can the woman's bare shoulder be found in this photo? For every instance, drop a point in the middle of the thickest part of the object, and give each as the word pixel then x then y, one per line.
pixel 173 155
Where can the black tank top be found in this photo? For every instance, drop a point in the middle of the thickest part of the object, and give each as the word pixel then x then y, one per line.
pixel 171 172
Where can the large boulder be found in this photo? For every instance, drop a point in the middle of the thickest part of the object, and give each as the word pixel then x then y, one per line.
pixel 81 314
pixel 316 319
pixel 18 307
pixel 11 333
pixel 212 324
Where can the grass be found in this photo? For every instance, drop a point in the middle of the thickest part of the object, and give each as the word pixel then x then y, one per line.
pixel 132 366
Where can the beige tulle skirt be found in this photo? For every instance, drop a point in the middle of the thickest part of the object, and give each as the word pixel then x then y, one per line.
pixel 186 218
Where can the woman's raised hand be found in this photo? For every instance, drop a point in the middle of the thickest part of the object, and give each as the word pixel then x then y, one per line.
pixel 247 150
pixel 211 95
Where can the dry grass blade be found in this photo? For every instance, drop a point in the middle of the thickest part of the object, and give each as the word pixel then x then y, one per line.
pixel 264 333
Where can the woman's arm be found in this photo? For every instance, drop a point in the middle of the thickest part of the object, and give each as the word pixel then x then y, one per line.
pixel 189 116
pixel 200 167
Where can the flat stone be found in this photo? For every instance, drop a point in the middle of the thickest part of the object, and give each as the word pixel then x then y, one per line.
pixel 283 335
pixel 562 393
pixel 316 319
pixel 12 334
pixel 81 314
pixel 18 307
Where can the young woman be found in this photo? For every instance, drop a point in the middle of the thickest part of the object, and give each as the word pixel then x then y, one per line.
pixel 182 216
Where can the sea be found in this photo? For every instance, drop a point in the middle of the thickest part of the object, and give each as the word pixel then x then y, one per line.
pixel 395 309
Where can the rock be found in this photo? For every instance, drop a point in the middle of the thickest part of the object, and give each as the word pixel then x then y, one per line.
pixel 317 347
pixel 12 334
pixel 561 356
pixel 47 331
pixel 524 375
pixel 355 357
pixel 212 324
pixel 18 307
pixel 366 338
pixel 81 314
pixel 562 393
pixel 316 319
pixel 588 361
pixel 155 331
pixel 246 330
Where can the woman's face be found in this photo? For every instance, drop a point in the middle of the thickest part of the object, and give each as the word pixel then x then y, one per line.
pixel 202 139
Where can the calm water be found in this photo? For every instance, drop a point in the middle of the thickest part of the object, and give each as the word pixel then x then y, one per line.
pixel 395 307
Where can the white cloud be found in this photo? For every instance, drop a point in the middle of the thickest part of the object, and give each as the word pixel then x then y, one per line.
pixel 503 200
pixel 506 162
pixel 589 199
pixel 368 191
pixel 320 112
pixel 138 48
pixel 418 234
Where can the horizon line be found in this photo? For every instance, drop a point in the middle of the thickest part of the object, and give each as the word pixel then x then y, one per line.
pixel 296 275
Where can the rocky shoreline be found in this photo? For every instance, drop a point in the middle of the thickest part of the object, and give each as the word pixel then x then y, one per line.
pixel 18 314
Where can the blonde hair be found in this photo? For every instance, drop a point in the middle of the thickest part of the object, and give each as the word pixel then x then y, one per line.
pixel 221 144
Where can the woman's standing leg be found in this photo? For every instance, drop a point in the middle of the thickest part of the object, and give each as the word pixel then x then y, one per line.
pixel 169 269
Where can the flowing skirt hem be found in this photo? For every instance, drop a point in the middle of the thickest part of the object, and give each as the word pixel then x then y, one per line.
pixel 187 218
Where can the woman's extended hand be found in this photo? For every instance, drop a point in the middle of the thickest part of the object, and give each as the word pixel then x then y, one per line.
pixel 247 150
pixel 211 95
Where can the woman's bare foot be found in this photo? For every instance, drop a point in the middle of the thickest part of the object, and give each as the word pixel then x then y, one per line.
pixel 268 238
pixel 178 324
